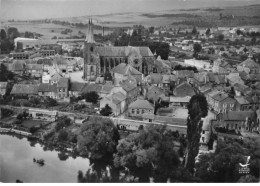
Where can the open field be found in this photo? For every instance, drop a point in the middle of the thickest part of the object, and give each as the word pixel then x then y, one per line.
pixel 244 15
pixel 49 30
pixel 201 17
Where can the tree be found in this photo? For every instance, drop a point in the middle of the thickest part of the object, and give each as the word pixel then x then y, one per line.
pixel 5 74
pixel 232 92
pixel 63 135
pixel 220 37
pixel 208 31
pixel 222 166
pixel 197 109
pixel 50 102
pixel 91 97
pixel 194 31
pixel 253 40
pixel 106 111
pixel 248 179
pixel 98 139
pixel 12 33
pixel 239 32
pixel 197 48
pixel 148 153
pixel 62 122
pixel 3 35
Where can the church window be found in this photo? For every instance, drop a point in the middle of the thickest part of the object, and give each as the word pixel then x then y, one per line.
pixel 137 111
pixel 91 69
pixel 91 59
pixel 92 49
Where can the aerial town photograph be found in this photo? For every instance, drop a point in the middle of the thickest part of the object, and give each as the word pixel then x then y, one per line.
pixel 129 91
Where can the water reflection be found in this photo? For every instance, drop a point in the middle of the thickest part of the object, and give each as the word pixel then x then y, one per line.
pixel 16 163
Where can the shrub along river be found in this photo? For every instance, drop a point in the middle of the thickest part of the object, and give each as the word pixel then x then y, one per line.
pixel 16 162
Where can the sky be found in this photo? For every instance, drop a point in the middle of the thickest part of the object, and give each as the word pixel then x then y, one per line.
pixel 41 9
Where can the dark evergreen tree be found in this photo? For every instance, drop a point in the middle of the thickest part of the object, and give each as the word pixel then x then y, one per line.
pixel 197 109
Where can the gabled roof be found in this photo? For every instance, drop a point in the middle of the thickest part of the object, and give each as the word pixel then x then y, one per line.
pixel 116 98
pixel 184 73
pixel 184 90
pixel 125 69
pixel 34 67
pixel 29 89
pixel 249 63
pixel 106 89
pixel 239 115
pixel 127 86
pixel 63 82
pixel 220 96
pixel 123 51
pixel 141 104
pixel 46 87
pixel 76 86
pixel 241 100
pixel 91 88
pixel 156 78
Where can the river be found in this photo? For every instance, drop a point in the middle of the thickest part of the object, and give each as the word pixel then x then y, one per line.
pixel 16 162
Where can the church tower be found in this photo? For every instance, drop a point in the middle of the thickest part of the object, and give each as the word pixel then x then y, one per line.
pixel 90 60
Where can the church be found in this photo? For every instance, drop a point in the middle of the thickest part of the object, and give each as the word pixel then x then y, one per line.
pixel 99 60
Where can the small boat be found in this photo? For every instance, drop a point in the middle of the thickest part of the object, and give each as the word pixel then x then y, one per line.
pixel 39 161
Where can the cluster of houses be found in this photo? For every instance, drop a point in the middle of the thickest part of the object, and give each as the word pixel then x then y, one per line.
pixel 232 90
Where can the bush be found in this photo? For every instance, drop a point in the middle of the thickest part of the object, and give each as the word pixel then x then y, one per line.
pixel 91 97
pixel 63 135
pixel 33 129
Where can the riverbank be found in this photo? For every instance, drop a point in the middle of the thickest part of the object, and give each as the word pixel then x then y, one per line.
pixel 15 131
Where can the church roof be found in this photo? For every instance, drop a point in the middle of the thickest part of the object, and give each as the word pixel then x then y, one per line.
pixel 90 34
pixel 125 51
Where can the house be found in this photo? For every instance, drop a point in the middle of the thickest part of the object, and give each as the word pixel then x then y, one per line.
pixel 3 88
pixel 63 88
pixel 184 73
pixel 183 90
pixel 234 78
pixel 199 79
pixel 239 121
pixel 48 90
pixel 24 90
pixel 162 66
pixel 131 89
pixel 179 101
pixel 117 101
pixel 123 70
pixel 221 67
pixel 140 107
pixel 155 79
pixel 35 70
pixel 17 67
pixel 154 93
pixel 45 115
pixel 221 102
pixel 75 88
pixel 249 66
pixel 55 77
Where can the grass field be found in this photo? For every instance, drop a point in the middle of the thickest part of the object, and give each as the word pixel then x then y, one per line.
pixel 33 123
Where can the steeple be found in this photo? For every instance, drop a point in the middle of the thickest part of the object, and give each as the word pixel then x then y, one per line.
pixel 90 34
